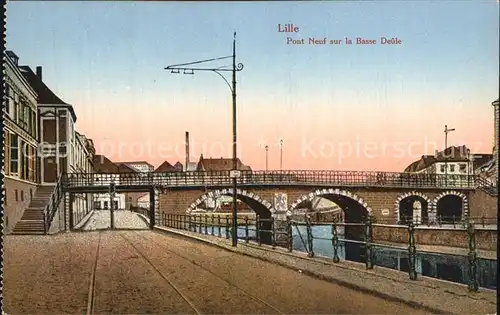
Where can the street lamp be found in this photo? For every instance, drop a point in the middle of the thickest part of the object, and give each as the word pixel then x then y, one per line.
pixel 281 154
pixel 267 157
pixel 112 191
pixel 234 174
pixel 446 131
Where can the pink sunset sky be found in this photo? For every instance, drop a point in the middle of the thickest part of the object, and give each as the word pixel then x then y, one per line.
pixel 336 107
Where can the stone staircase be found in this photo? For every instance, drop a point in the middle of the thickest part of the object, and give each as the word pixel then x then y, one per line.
pixel 31 222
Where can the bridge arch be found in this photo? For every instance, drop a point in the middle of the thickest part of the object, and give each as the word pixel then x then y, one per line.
pixel 331 191
pixel 455 198
pixel 412 197
pixel 257 203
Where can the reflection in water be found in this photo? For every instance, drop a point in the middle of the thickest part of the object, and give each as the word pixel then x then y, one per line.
pixel 441 266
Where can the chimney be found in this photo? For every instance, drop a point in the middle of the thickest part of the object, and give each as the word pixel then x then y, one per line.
pixel 436 153
pixel 187 149
pixel 39 72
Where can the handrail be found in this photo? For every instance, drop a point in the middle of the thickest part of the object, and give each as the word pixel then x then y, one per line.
pixel 51 208
pixel 486 186
pixel 222 178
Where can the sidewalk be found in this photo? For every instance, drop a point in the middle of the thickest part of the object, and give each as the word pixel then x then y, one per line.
pixel 435 295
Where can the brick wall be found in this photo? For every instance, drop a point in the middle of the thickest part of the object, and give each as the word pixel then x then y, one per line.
pixel 482 204
pixel 485 239
pixel 14 207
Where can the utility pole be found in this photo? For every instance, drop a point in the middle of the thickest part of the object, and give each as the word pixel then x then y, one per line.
pixel 446 131
pixel 281 154
pixel 235 173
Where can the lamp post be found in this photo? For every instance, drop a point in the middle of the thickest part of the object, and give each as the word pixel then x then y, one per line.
pixel 446 131
pixel 281 154
pixel 267 157
pixel 234 173
pixel 112 191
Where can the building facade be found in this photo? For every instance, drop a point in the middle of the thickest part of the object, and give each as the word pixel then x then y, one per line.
pixel 496 115
pixel 452 161
pixel 21 141
pixel 107 172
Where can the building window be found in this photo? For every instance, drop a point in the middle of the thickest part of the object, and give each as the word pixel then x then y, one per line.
pixel 6 162
pixel 8 92
pixel 16 195
pixel 14 155
pixel 97 205
pixel 443 168
pixel 463 168
pixel 22 195
pixel 31 193
pixel 16 107
pixel 452 168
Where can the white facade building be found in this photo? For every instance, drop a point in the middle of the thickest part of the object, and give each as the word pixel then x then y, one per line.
pixel 103 201
pixel 143 201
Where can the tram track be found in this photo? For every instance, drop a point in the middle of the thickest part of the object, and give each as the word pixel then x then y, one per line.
pixel 230 283
pixel 91 294
pixel 176 289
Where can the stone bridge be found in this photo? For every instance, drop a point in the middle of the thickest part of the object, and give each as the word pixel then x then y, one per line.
pixel 389 204
pixel 385 195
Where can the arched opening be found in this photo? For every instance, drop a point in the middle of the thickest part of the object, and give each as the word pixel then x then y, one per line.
pixel 413 208
pixel 352 212
pixel 449 208
pixel 220 204
pixel 319 209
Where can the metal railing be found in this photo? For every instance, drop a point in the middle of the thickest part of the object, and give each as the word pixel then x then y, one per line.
pixel 487 186
pixel 222 178
pixel 457 222
pixel 51 208
pixel 280 233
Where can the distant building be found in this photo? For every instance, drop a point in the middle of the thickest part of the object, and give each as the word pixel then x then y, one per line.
pixel 167 167
pixel 220 164
pixel 107 172
pixel 139 166
pixel 21 142
pixel 452 161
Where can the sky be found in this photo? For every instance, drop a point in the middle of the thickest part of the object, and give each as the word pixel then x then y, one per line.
pixel 334 106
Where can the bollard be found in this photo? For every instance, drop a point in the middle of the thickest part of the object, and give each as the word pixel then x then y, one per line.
pixel 246 230
pixel 310 252
pixel 368 245
pixel 257 229
pixel 335 243
pixel 289 234
pixel 473 283
pixel 411 251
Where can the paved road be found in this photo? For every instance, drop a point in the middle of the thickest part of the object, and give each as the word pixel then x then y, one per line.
pixel 124 219
pixel 147 272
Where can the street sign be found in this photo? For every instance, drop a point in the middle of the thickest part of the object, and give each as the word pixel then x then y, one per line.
pixel 235 173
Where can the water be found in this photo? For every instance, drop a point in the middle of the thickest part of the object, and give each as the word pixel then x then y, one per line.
pixel 441 266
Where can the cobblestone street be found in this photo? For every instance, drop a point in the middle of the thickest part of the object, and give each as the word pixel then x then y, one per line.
pixel 148 272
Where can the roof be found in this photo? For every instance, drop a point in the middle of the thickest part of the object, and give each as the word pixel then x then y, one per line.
pixel 220 164
pixel 124 168
pixel 166 167
pixel 137 162
pixel 45 95
pixel 451 154
pixel 104 165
